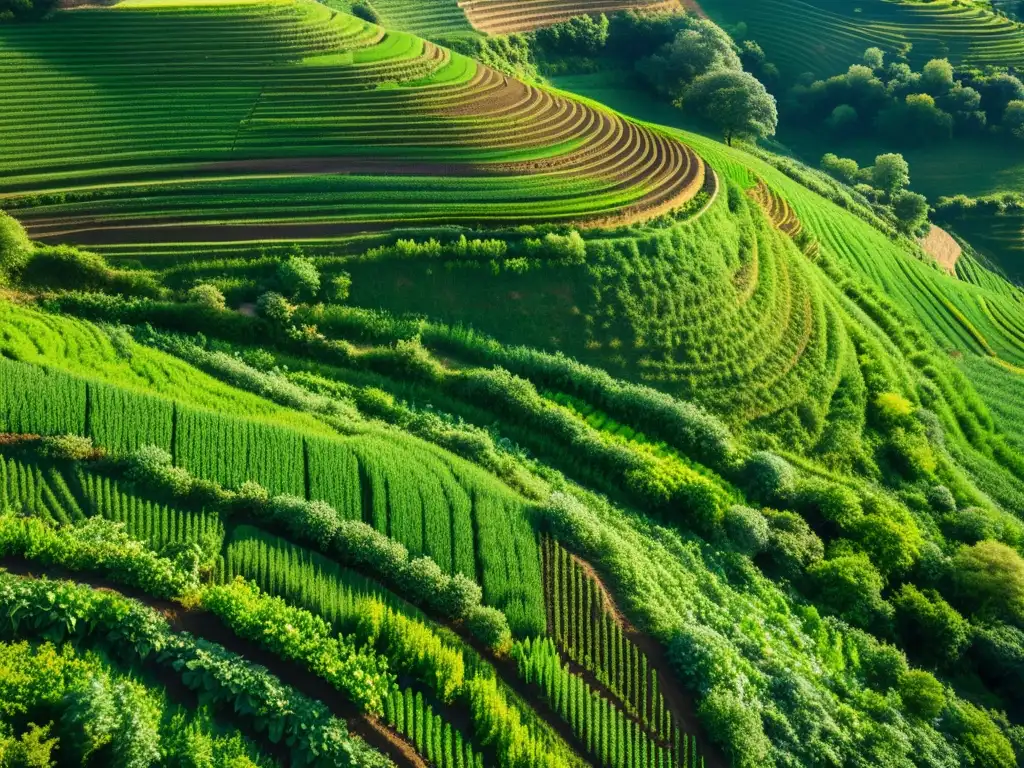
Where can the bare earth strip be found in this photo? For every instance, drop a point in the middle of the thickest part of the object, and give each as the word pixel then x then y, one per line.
pixel 941 246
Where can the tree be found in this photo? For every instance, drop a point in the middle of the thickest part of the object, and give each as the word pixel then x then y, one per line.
pixel 989 579
pixel 937 76
pixel 736 103
pixel 207 295
pixel 997 91
pixel 581 35
pixel 299 277
pixel 923 696
pixel 850 587
pixel 842 168
pixel 15 247
pixel 891 173
pixel 702 49
pixel 930 626
pixel 874 58
pixel 11 10
pixel 843 118
pixel 911 210
pixel 1013 118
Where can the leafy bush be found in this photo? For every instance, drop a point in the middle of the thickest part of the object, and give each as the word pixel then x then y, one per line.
pixel 923 696
pixel 849 586
pixel 306 520
pixel 299 278
pixel 792 545
pixel 929 626
pixel 736 727
pixel 207 295
pixel 941 499
pixel 153 466
pixel 747 529
pixel 68 447
pixel 490 626
pixel 988 579
pixel 769 477
pixel 15 247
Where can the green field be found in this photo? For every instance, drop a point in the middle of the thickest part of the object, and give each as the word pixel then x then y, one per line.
pixel 408 415
pixel 826 36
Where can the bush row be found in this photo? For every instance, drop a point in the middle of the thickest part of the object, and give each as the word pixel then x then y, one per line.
pixel 134 633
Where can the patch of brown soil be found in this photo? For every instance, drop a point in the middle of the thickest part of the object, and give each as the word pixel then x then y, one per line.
pixel 941 246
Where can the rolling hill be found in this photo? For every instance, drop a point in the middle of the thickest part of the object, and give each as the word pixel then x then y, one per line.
pixel 404 413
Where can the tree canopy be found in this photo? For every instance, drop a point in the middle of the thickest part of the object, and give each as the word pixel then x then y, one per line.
pixel 735 102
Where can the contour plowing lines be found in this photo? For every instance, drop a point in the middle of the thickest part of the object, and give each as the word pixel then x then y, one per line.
pixel 287 120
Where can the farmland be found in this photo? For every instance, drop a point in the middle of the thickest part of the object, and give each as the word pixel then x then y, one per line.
pixel 364 405
pixel 963 32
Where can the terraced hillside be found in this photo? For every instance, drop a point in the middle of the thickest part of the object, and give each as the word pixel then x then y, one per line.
pixel 409 415
pixel 826 36
pixel 291 141
pixel 499 17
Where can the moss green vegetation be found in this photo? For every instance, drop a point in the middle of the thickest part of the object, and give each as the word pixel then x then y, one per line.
pixel 701 462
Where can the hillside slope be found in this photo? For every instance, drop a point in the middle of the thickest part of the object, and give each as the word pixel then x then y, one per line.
pixel 696 464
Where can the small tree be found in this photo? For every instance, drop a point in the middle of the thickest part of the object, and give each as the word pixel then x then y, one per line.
pixel 842 168
pixel 15 247
pixel 207 295
pixel 891 173
pixel 874 58
pixel 299 277
pixel 911 210
pixel 735 102
pixel 937 76
pixel 1013 118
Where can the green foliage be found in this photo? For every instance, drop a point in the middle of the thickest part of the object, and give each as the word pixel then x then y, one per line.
pixel 911 210
pixel 97 546
pixel 929 627
pixel 747 529
pixel 15 247
pixel 890 173
pixel 730 722
pixel 206 295
pixel 849 586
pixel 299 277
pixel 68 447
pixel 922 694
pixel 699 49
pixel 300 636
pixel 988 578
pixel 735 102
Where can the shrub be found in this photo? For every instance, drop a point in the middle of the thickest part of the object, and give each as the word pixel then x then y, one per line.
pixel 151 465
pixel 736 727
pixel 747 529
pixel 829 501
pixel 315 521
pixel 769 477
pixel 969 525
pixel 850 587
pixel 930 626
pixel 988 578
pixel 15 247
pixel 792 545
pixel 941 499
pixel 363 10
pixel 460 596
pixel 490 626
pixel 206 295
pixel 424 580
pixel 299 278
pixel 881 664
pixel 275 307
pixel 893 410
pixel 923 696
pixel 68 447
pixel 252 497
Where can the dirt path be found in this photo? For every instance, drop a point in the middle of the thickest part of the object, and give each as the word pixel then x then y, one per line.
pixel 941 246
pixel 682 703
pixel 204 624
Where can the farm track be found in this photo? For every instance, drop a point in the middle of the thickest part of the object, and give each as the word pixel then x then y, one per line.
pixel 204 624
